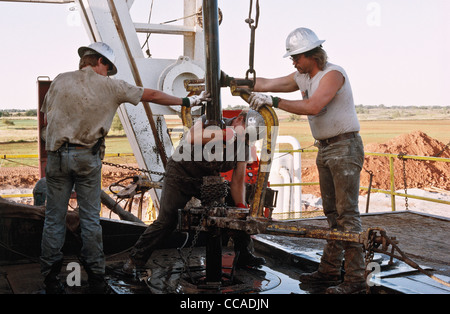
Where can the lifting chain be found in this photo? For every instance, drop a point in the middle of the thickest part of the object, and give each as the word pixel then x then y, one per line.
pixel 250 21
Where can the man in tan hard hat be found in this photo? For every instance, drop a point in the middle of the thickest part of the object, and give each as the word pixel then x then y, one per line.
pixel 328 102
pixel 79 108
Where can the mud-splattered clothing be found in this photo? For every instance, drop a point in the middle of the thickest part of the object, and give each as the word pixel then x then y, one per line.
pixel 183 180
pixel 79 107
pixel 339 164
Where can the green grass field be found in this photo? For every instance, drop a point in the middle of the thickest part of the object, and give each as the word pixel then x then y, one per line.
pixel 375 131
pixel 19 136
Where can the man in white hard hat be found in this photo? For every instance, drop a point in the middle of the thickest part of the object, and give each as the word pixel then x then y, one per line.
pixel 79 108
pixel 328 102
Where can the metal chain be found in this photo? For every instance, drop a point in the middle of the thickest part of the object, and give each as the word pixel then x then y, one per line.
pixel 133 168
pixel 369 256
pixel 210 197
pixel 250 21
pixel 211 194
pixel 401 156
pixel 443 149
pixel 191 248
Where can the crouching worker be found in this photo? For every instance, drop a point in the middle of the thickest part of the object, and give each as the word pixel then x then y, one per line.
pixel 179 188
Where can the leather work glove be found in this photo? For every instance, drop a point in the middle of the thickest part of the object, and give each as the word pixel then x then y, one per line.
pixel 195 100
pixel 257 100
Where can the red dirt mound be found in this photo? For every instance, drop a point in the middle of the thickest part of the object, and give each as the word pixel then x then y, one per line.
pixel 419 174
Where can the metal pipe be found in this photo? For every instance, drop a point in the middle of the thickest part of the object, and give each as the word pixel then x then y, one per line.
pixel 212 77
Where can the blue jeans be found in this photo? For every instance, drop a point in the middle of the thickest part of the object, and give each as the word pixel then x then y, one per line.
pixel 339 167
pixel 67 169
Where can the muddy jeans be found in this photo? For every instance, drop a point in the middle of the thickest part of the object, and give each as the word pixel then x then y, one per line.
pixel 176 192
pixel 339 167
pixel 80 169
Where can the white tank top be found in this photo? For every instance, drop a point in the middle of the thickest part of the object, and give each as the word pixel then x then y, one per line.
pixel 339 115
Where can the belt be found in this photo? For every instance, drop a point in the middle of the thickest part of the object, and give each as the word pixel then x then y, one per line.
pixel 70 145
pixel 337 138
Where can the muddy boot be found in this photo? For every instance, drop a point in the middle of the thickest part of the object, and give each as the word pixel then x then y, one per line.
pixel 97 284
pixel 96 281
pixel 242 247
pixel 247 259
pixel 131 266
pixel 52 283
pixel 347 288
pixel 318 278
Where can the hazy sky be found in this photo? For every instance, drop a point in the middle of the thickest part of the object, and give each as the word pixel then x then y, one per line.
pixel 394 51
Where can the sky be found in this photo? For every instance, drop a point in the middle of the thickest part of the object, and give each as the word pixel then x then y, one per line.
pixel 394 51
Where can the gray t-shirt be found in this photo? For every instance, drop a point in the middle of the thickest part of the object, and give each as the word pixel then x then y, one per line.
pixel 339 115
pixel 81 105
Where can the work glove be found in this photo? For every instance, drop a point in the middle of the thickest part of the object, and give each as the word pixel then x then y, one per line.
pixel 195 100
pixel 257 100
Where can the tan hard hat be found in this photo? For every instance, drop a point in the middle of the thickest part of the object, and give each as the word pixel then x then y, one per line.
pixel 104 50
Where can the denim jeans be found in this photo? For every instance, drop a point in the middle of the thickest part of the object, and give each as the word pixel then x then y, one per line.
pixel 339 165
pixel 68 169
pixel 175 194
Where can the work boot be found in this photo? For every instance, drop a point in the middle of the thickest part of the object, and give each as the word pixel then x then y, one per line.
pixel 54 286
pixel 131 266
pixel 249 260
pixel 347 288
pixel 52 283
pixel 243 248
pixel 319 278
pixel 97 284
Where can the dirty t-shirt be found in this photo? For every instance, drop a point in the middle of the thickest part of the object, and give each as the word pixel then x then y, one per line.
pixel 81 105
pixel 339 115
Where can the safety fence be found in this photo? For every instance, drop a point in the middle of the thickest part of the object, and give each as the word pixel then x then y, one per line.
pixel 392 191
pixel 12 157
pixel 391 157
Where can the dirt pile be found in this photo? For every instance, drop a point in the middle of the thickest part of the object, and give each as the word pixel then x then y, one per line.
pixel 419 174
pixel 26 177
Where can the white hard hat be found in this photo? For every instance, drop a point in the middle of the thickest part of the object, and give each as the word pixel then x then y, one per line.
pixel 104 50
pixel 255 125
pixel 301 40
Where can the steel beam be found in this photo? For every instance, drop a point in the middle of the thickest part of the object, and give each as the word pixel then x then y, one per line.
pixel 211 30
